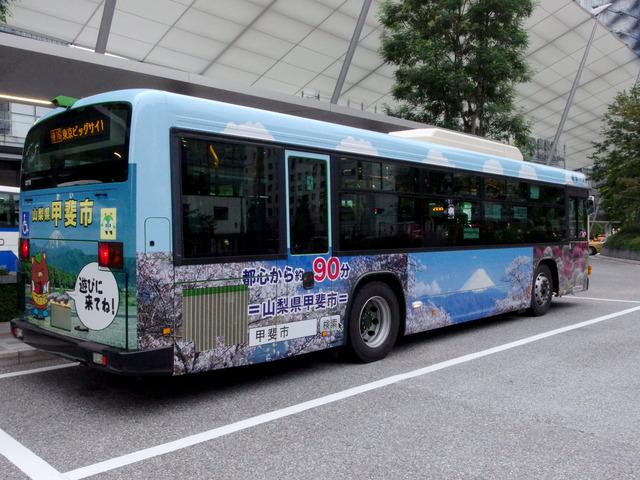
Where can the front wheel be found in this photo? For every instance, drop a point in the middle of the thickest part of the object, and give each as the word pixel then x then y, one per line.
pixel 542 291
pixel 592 250
pixel 374 322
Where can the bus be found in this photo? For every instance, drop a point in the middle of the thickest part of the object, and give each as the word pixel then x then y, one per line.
pixel 9 229
pixel 167 234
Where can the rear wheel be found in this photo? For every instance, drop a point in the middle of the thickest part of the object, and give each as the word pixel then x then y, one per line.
pixel 542 291
pixel 592 250
pixel 373 322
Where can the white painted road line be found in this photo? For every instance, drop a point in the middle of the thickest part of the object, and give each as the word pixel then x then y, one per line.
pixel 191 440
pixel 27 461
pixel 37 370
pixel 603 299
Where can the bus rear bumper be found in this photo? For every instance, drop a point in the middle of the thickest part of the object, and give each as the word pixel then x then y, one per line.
pixel 120 361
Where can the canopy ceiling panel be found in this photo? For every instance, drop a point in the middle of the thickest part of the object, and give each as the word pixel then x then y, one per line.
pixel 297 48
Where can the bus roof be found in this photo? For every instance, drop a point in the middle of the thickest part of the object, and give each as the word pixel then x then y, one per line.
pixel 204 115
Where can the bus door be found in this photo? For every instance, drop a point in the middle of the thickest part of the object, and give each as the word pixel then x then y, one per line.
pixel 306 300
pixel 578 225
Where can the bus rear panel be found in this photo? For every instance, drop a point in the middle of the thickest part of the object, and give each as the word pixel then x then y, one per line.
pixel 78 239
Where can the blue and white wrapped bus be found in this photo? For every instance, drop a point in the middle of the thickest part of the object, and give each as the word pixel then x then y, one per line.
pixel 167 235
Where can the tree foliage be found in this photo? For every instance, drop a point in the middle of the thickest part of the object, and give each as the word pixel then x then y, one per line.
pixel 458 62
pixel 4 10
pixel 617 159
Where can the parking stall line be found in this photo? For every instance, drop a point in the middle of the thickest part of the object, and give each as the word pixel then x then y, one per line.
pixel 37 370
pixel 605 299
pixel 202 437
pixel 27 461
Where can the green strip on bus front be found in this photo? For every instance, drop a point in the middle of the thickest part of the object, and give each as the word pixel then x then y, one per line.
pixel 194 292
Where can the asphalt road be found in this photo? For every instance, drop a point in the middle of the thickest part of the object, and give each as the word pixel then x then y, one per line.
pixel 560 405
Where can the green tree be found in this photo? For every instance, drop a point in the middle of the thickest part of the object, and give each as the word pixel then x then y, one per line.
pixel 4 10
pixel 616 159
pixel 458 62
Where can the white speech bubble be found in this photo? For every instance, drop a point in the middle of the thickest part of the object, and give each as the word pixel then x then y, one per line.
pixel 96 297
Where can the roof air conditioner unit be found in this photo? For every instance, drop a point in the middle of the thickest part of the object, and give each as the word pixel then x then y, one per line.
pixel 463 141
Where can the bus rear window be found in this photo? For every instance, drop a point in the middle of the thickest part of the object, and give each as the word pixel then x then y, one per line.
pixel 82 146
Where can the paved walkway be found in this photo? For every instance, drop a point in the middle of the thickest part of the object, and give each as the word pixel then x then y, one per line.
pixel 618 259
pixel 14 352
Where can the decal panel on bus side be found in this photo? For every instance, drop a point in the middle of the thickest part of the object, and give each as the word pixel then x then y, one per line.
pixel 283 319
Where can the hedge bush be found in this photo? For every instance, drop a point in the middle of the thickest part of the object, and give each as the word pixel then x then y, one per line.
pixel 627 239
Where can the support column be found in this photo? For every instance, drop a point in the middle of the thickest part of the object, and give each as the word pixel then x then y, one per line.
pixel 350 51
pixel 105 25
pixel 576 82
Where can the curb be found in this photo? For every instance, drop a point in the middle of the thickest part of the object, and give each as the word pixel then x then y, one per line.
pixel 619 259
pixel 12 355
pixel 621 254
pixel 20 357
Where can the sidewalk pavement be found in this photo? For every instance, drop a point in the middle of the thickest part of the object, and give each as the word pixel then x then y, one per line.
pixel 618 259
pixel 14 351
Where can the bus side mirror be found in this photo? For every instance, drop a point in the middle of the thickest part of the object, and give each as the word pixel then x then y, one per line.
pixel 591 204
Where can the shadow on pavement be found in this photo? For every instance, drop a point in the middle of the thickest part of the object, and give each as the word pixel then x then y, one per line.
pixel 113 392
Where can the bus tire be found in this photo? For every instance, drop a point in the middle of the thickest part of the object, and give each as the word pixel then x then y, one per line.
pixel 374 322
pixel 542 291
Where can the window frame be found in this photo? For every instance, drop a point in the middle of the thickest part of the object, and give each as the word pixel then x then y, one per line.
pixel 315 156
pixel 176 199
pixel 578 194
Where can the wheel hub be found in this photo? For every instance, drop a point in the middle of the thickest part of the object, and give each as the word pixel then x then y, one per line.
pixel 542 290
pixel 375 321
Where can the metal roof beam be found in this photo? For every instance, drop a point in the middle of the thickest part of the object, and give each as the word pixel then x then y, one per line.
pixel 576 82
pixel 105 26
pixel 350 51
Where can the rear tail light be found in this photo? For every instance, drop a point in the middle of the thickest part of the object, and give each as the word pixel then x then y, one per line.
pixel 99 359
pixel 17 332
pixel 24 249
pixel 110 255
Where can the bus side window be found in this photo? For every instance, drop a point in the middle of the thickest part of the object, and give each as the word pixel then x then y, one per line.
pixel 8 211
pixel 229 199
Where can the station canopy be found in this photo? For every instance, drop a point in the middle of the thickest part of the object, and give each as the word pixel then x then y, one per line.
pixel 297 48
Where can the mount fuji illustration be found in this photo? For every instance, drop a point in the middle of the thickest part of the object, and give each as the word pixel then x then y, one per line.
pixel 55 239
pixel 476 298
pixel 480 280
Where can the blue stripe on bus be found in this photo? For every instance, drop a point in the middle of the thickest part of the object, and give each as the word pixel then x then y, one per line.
pixel 8 260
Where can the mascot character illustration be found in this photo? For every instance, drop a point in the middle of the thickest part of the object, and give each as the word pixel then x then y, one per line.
pixel 40 285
